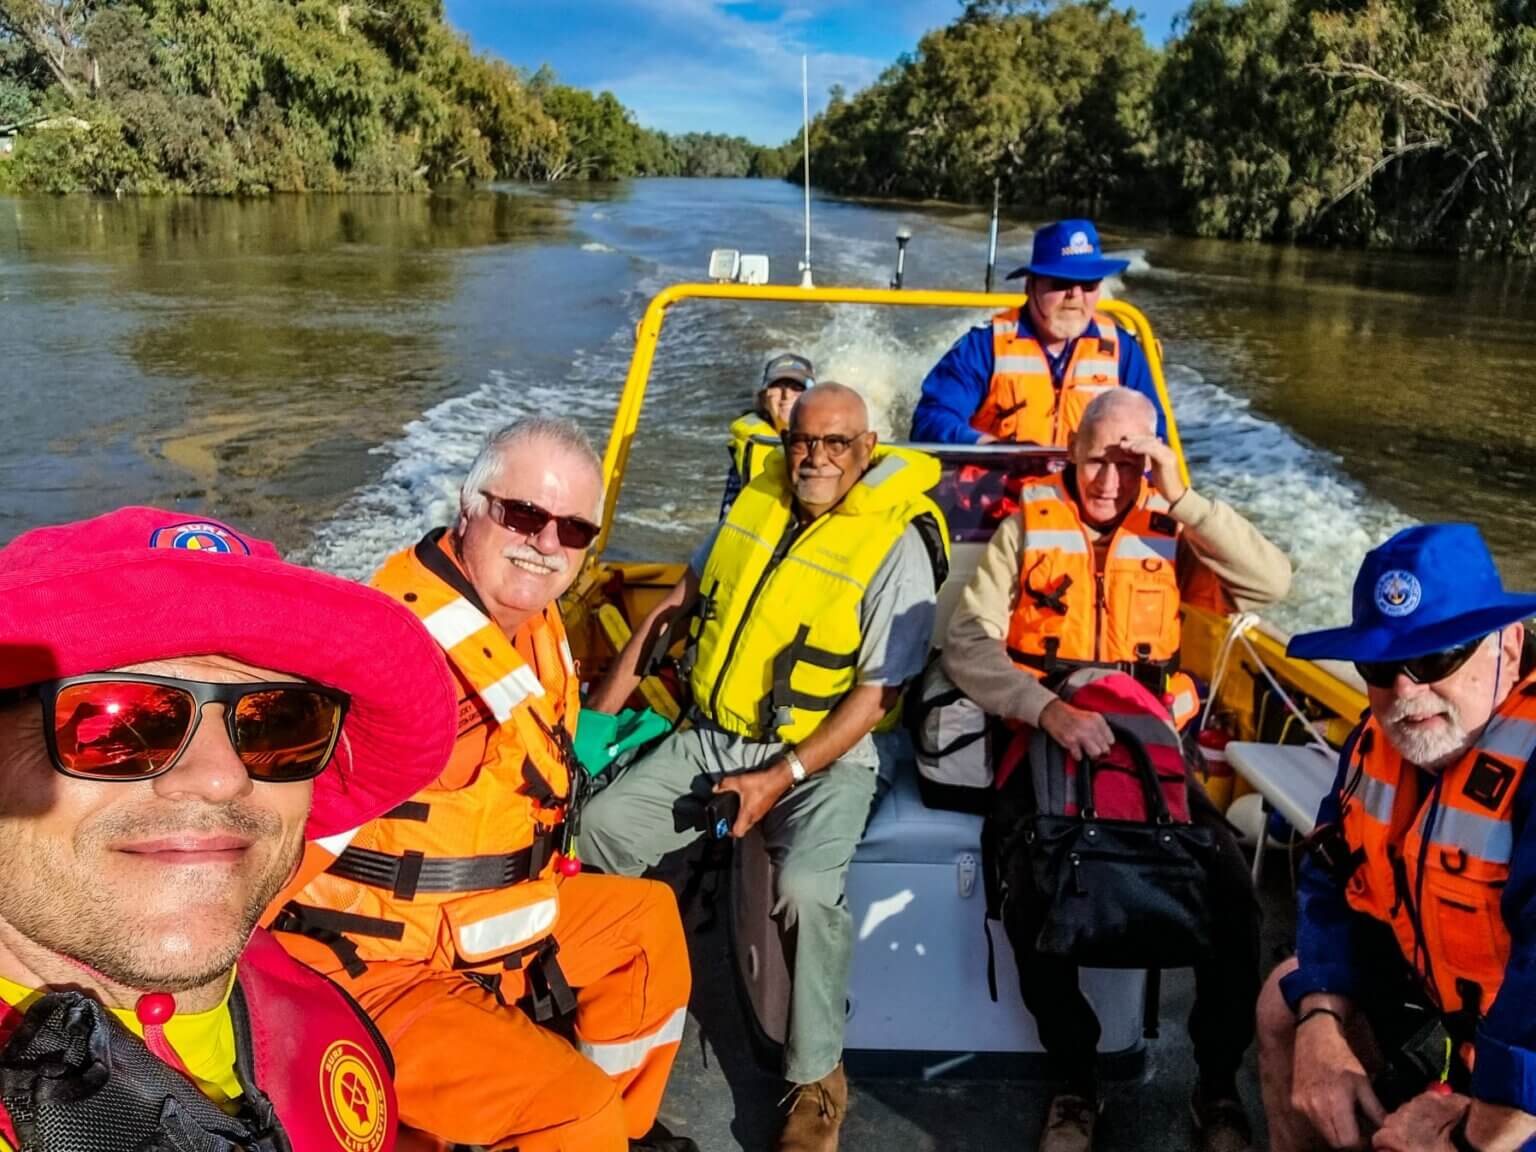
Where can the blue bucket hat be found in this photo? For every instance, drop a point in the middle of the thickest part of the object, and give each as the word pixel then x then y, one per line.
pixel 1069 250
pixel 1425 590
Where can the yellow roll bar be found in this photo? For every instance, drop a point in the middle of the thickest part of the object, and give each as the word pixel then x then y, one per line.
pixel 627 418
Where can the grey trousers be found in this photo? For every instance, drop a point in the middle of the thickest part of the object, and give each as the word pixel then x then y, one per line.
pixel 810 835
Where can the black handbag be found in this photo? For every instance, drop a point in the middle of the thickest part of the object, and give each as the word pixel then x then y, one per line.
pixel 1122 893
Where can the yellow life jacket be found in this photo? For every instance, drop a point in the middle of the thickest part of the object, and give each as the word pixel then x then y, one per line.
pixel 463 876
pixel 1023 403
pixel 777 633
pixel 748 453
pixel 1441 896
pixel 1071 613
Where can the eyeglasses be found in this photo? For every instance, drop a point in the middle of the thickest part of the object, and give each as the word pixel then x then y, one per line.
pixel 1430 669
pixel 122 726
pixel 798 444
pixel 529 519
pixel 1052 284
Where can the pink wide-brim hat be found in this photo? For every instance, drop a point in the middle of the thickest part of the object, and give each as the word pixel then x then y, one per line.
pixel 142 584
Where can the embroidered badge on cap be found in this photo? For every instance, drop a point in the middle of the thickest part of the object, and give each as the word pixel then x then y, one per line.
pixel 1398 593
pixel 1078 245
pixel 352 1093
pixel 199 536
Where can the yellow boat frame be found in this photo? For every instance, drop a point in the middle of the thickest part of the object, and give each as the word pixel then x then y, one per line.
pixel 608 597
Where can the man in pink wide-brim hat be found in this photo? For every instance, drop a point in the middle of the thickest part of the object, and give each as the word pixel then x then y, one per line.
pixel 180 710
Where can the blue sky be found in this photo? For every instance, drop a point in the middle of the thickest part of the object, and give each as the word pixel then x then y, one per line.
pixel 715 65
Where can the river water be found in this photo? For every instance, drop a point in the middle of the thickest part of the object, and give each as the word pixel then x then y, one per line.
pixel 319 370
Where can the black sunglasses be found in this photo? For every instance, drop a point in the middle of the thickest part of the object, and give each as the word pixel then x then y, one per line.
pixel 1430 669
pixel 529 519
pixel 131 726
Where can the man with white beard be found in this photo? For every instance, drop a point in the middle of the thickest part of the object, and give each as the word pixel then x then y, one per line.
pixel 1408 1009
pixel 528 1005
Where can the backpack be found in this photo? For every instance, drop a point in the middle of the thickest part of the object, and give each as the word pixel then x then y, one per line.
pixel 953 742
pixel 1107 848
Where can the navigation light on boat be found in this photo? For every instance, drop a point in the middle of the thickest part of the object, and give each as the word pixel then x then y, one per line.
pixel 903 237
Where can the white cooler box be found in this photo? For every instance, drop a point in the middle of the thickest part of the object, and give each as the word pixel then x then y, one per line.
pixel 919 983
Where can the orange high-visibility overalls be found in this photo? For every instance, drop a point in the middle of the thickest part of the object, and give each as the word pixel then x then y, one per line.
pixel 448 919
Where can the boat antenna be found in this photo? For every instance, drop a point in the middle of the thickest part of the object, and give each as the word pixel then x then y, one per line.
pixel 997 194
pixel 805 111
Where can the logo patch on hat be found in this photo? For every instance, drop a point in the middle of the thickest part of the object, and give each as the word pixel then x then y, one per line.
pixel 1078 245
pixel 1398 593
pixel 199 536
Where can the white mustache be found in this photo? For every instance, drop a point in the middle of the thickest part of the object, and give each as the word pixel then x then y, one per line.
pixel 530 555
pixel 1421 707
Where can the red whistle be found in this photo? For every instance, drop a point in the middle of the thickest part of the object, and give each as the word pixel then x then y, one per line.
pixel 1440 1088
pixel 567 865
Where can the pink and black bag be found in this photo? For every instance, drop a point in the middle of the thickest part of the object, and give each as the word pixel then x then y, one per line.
pixel 1107 844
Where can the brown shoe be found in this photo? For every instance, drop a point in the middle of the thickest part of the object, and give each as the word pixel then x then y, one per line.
pixel 1069 1125
pixel 816 1114
pixel 1221 1124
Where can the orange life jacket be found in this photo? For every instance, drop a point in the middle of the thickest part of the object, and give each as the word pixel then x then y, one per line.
pixel 1441 894
pixel 463 876
pixel 1070 613
pixel 1024 404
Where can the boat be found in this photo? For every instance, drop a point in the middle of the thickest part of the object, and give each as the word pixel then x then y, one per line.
pixel 919 1005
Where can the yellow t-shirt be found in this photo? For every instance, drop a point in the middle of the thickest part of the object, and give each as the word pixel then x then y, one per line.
pixel 205 1041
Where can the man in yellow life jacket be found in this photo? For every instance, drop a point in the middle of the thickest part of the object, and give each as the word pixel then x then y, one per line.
pixel 456 919
pixel 811 606
pixel 1028 374
pixel 180 710
pixel 1416 935
pixel 1093 571
pixel 785 378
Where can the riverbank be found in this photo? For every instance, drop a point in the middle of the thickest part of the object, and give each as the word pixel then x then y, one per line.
pixel 1388 126
pixel 320 369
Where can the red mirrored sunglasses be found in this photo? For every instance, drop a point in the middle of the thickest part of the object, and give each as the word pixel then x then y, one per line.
pixel 529 519
pixel 129 726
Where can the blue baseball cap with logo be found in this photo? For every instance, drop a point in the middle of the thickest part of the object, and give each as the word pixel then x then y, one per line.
pixel 1425 590
pixel 1069 250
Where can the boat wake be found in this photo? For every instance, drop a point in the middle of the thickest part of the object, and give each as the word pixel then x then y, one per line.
pixel 705 373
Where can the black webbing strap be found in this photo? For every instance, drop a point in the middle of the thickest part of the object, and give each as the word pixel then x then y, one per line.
pixel 1054 599
pixel 409 810
pixel 405 875
pixel 326 926
pixel 549 993
pixel 782 696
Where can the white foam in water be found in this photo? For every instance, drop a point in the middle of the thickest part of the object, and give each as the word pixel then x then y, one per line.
pixel 419 490
pixel 594 246
pixel 1293 493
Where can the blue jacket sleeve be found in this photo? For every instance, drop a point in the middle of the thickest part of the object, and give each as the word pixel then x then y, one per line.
pixel 1325 923
pixel 1505 1068
pixel 954 390
pixel 1136 373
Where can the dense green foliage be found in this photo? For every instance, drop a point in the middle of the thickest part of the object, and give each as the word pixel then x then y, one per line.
pixel 248 96
pixel 1390 122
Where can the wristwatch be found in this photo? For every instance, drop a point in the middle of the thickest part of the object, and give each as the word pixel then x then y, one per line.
pixel 796 769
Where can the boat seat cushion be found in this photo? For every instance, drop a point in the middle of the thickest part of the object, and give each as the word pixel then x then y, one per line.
pixel 903 830
pixel 1292 778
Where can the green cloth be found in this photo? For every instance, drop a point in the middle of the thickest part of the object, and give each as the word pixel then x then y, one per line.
pixel 601 738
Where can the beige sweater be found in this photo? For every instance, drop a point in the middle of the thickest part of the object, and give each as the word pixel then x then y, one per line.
pixel 1252 570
